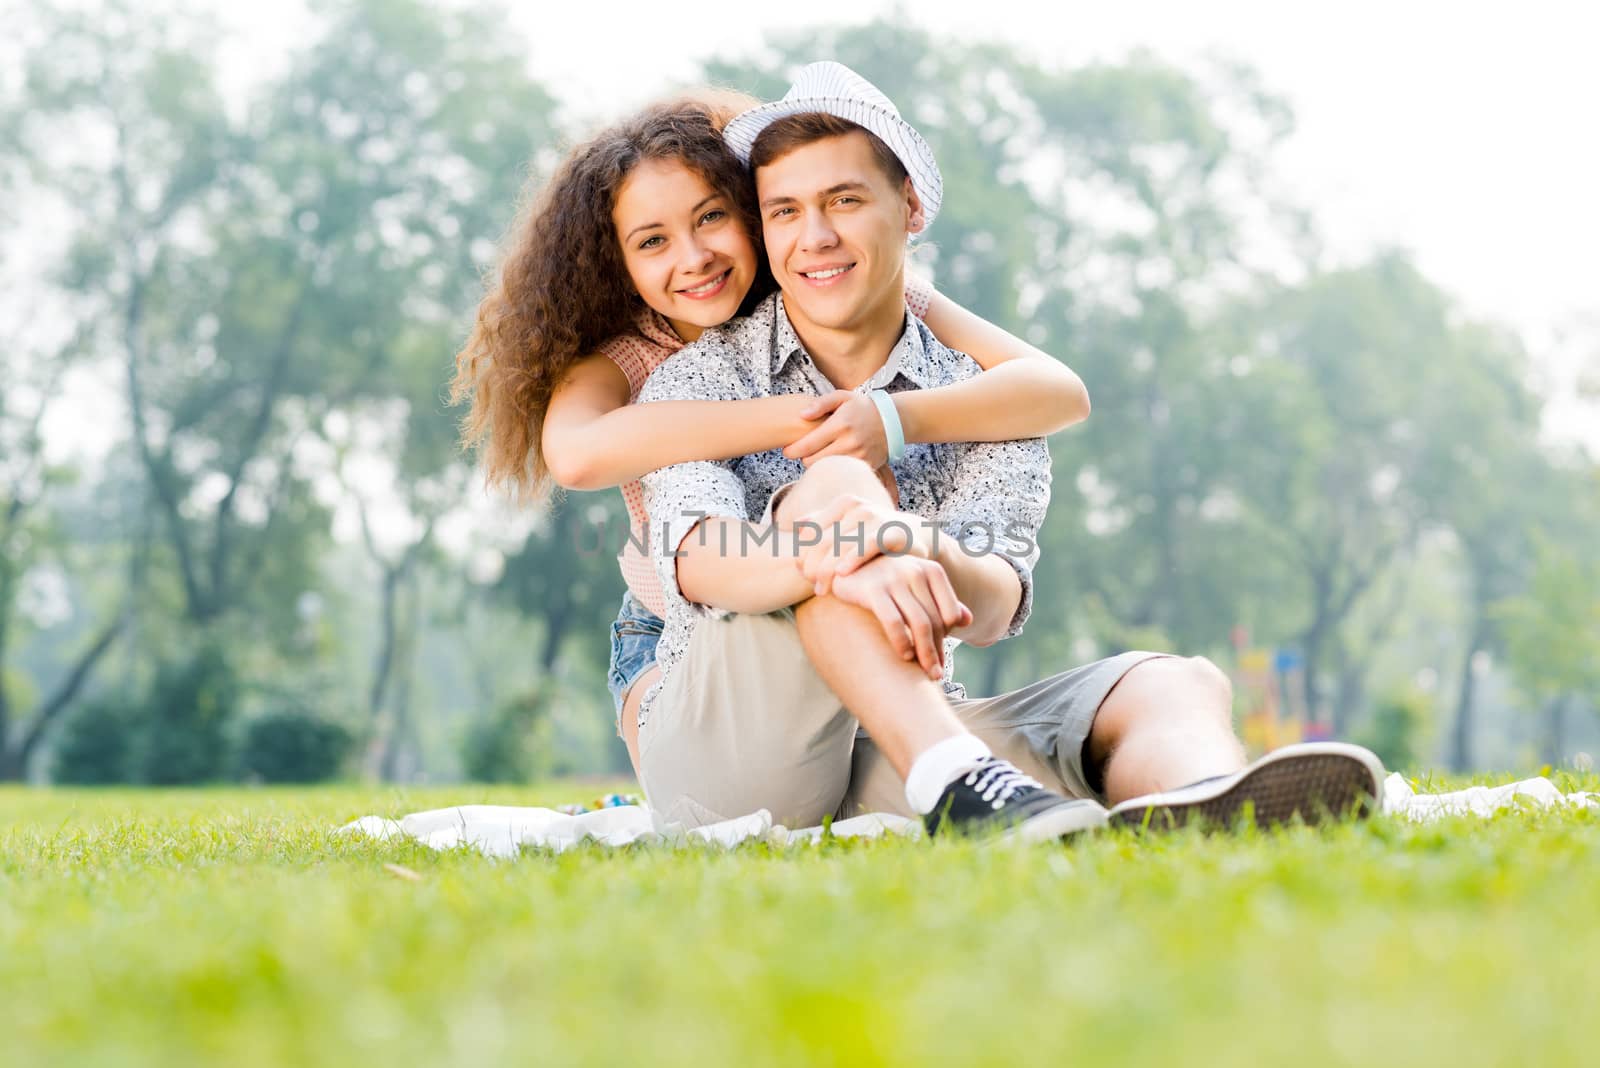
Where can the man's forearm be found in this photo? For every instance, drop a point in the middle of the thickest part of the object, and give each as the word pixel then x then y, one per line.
pixel 740 566
pixel 987 585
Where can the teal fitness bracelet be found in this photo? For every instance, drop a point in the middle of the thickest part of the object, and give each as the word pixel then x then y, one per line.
pixel 891 424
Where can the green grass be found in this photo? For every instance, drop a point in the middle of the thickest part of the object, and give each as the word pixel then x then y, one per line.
pixel 230 927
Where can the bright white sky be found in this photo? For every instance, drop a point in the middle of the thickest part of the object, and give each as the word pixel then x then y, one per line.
pixel 1464 132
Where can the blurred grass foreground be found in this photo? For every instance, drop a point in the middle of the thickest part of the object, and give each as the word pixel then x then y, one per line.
pixel 234 927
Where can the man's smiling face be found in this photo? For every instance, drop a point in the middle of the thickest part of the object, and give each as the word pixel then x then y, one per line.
pixel 835 226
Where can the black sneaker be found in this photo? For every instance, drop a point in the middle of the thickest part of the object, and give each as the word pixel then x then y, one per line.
pixel 996 798
pixel 1315 781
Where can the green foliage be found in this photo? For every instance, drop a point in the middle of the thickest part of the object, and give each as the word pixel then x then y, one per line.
pixel 183 723
pixel 512 744
pixel 94 744
pixel 293 746
pixel 1552 631
pixel 1398 722
pixel 565 573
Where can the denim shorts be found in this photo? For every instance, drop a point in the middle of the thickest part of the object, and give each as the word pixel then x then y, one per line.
pixel 633 648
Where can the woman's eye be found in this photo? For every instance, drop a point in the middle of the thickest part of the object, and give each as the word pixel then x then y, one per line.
pixel 652 242
pixel 712 216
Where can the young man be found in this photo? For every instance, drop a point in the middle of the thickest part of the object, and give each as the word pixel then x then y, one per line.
pixel 805 603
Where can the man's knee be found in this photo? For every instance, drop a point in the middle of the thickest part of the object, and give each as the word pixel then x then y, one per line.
pixel 1170 690
pixel 1207 677
pixel 829 478
pixel 843 473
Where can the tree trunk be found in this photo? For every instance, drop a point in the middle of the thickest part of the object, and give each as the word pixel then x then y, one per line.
pixel 1555 730
pixel 7 598
pixel 555 632
pixel 399 740
pixel 1461 740
pixel 383 666
pixel 1349 696
pixel 1312 641
pixel 15 758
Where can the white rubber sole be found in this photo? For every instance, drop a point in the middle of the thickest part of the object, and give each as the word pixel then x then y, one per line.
pixel 1314 781
pixel 1057 823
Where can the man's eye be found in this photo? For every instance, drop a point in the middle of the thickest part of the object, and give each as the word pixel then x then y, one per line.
pixel 781 211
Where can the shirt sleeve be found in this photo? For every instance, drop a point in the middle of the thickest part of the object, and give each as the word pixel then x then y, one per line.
pixel 998 503
pixel 679 497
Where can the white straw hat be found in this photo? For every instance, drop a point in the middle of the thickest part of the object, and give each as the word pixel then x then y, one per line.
pixel 835 89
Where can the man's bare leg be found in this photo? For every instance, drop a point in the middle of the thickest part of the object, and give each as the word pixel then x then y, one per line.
pixel 1167 723
pixel 905 711
pixel 1165 738
pixel 950 775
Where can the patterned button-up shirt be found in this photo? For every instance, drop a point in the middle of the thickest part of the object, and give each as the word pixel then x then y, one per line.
pixel 991 496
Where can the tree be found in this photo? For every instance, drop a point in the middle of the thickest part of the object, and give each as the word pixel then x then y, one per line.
pixel 256 273
pixel 432 171
pixel 566 575
pixel 1329 383
pixel 37 354
pixel 1485 478
pixel 1552 632
pixel 173 274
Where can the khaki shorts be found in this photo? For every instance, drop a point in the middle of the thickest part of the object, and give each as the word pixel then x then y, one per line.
pixel 744 722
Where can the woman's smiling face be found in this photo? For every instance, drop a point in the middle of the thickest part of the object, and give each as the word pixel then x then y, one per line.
pixel 684 245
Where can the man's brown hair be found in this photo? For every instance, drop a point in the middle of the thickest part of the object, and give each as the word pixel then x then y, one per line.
pixel 785 135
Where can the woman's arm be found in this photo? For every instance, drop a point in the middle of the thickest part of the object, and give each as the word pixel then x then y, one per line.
pixel 593 438
pixel 1022 393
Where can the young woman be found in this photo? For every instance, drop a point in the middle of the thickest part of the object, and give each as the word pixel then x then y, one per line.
pixel 646 236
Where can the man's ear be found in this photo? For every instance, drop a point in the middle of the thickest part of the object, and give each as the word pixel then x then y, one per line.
pixel 916 218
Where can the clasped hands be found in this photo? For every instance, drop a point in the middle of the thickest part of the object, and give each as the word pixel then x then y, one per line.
pixel 851 425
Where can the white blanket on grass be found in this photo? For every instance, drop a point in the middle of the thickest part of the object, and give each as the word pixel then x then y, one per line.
pixel 1401 800
pixel 503 831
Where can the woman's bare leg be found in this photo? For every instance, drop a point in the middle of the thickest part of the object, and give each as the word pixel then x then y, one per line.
pixel 630 713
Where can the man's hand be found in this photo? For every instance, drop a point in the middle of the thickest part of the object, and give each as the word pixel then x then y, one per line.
pixel 854 531
pixel 853 427
pixel 914 603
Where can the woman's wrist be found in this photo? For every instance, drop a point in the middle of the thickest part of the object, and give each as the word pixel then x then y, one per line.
pixel 910 405
pixel 787 422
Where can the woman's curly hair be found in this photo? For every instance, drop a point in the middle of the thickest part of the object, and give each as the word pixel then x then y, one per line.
pixel 562 288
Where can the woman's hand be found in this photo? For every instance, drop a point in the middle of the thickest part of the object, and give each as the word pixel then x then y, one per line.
pixel 851 426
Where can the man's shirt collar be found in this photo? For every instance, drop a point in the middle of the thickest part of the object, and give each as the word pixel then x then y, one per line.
pixel 909 357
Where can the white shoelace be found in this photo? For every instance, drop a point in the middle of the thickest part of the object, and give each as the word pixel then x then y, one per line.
pixel 997 781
